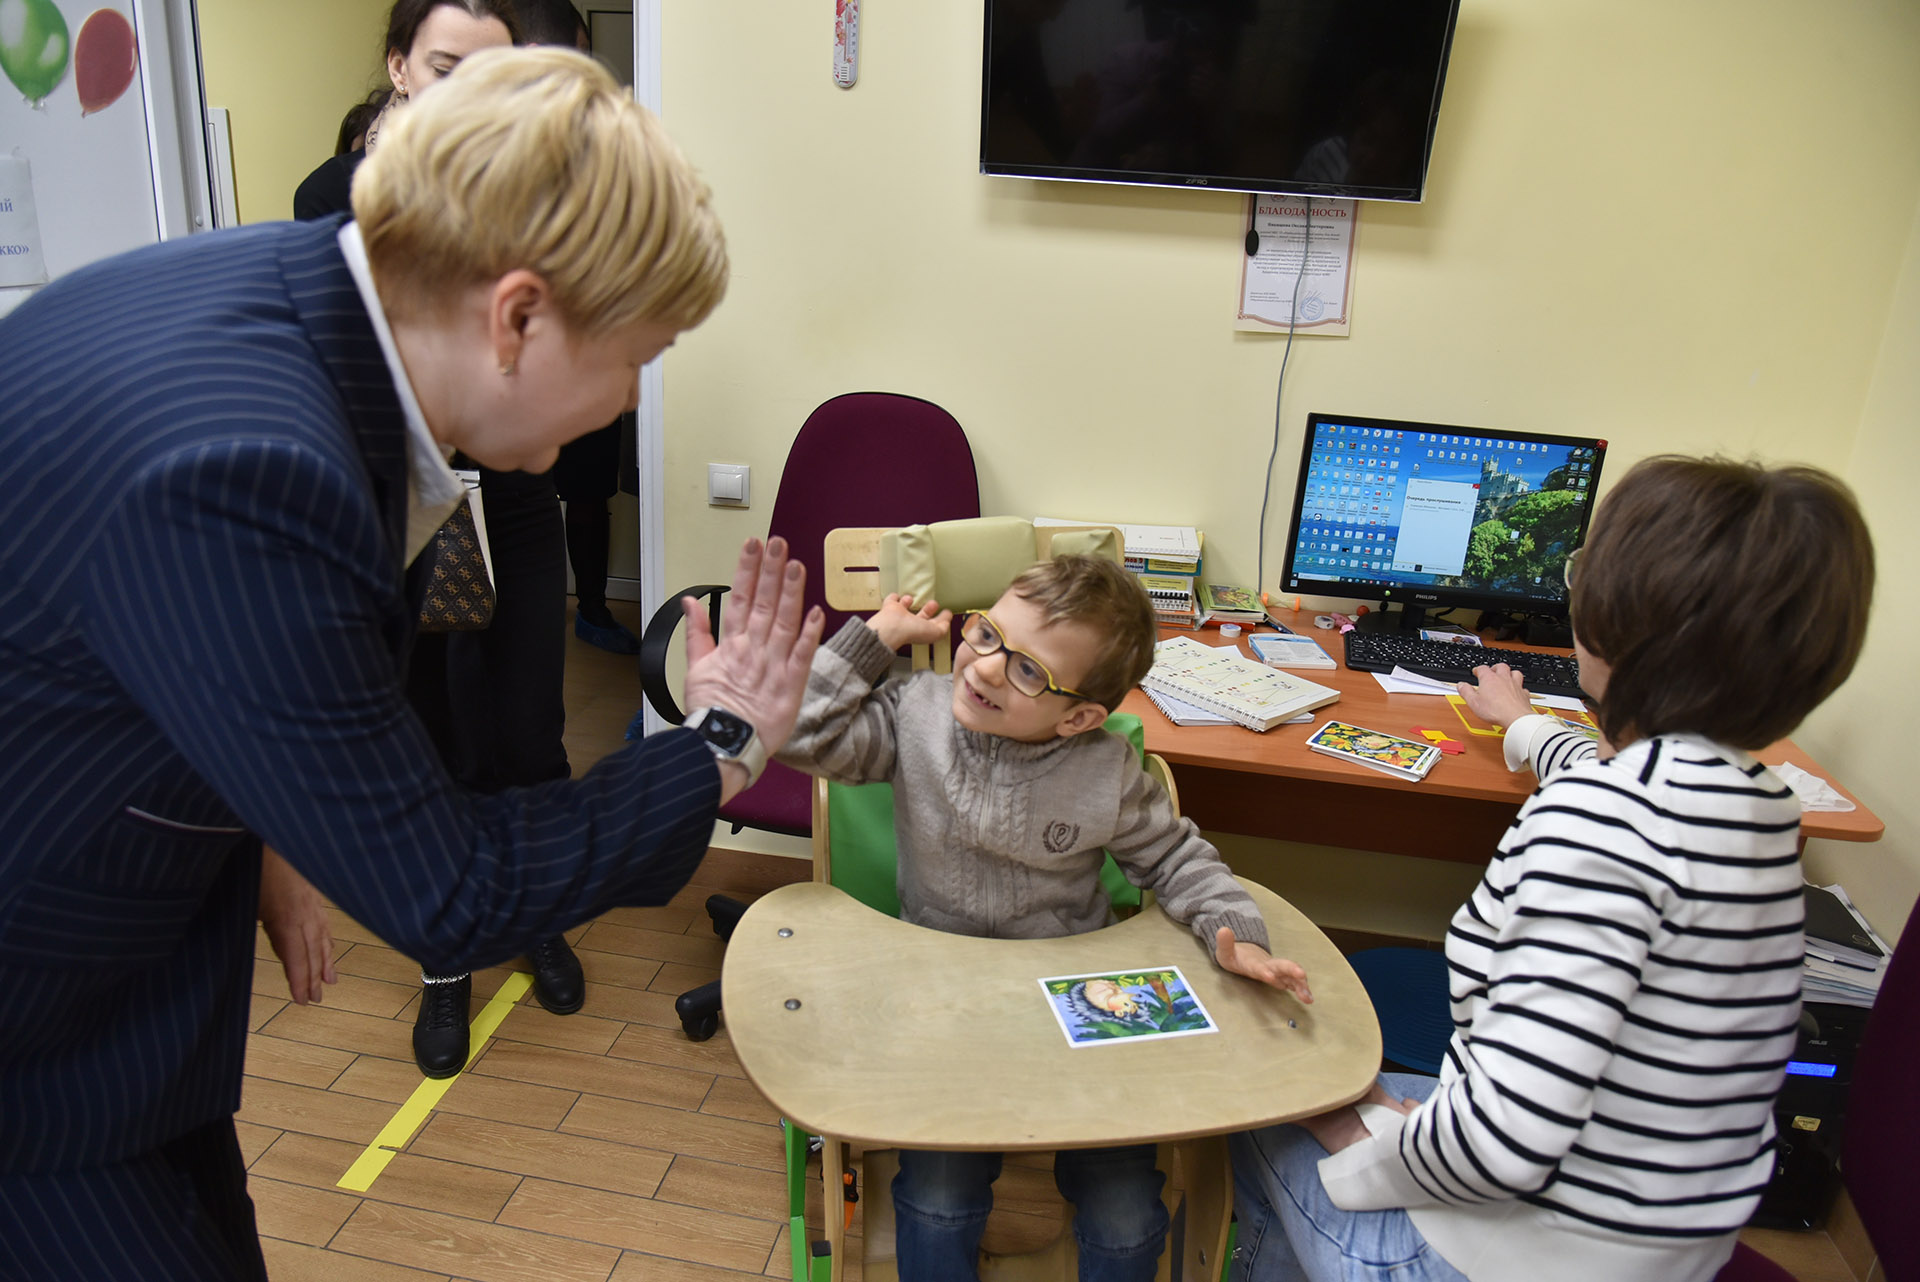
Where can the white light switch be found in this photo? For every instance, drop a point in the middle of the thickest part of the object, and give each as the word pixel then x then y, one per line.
pixel 728 484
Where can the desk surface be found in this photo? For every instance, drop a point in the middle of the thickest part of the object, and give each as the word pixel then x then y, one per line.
pixel 1478 775
pixel 914 1037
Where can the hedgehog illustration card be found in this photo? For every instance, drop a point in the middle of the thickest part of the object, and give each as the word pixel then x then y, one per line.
pixel 1121 1006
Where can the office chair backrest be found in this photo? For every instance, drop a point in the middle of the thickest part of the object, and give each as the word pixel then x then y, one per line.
pixel 870 458
pixel 1883 1124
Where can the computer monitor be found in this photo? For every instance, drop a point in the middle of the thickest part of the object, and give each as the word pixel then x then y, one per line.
pixel 1433 517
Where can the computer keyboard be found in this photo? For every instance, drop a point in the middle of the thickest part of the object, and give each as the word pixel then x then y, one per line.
pixel 1444 661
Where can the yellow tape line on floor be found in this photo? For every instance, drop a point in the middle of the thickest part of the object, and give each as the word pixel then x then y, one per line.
pixel 400 1128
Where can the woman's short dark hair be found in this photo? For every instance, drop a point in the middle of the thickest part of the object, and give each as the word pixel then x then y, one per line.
pixel 550 22
pixel 354 125
pixel 1729 599
pixel 404 19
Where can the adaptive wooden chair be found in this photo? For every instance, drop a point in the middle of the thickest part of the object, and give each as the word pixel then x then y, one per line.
pixel 964 565
pixel 853 845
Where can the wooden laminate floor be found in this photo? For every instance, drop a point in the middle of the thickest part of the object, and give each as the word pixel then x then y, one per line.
pixel 596 1147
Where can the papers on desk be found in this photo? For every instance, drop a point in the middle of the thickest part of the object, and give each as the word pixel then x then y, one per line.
pixel 1176 543
pixel 1182 713
pixel 1400 681
pixel 1814 792
pixel 1289 650
pixel 1846 958
pixel 1126 1006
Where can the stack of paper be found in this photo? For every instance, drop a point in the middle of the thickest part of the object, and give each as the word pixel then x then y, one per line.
pixel 1846 959
pixel 1289 650
pixel 1225 682
pixel 1401 681
pixel 1182 713
pixel 1168 549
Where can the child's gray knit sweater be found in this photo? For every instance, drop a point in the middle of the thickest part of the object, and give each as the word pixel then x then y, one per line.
pixel 1000 838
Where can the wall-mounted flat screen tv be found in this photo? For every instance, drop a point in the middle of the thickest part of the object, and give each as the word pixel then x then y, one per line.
pixel 1334 98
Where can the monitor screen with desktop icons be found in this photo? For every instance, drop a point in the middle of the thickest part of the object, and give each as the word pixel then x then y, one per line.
pixel 1435 516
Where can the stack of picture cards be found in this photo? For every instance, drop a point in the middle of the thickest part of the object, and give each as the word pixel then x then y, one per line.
pixel 1402 758
pixel 1225 604
pixel 1223 681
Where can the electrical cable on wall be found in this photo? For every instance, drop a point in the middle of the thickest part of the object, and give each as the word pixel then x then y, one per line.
pixel 1293 319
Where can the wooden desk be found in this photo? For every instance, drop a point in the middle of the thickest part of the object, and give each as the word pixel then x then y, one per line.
pixel 1270 785
pixel 863 1028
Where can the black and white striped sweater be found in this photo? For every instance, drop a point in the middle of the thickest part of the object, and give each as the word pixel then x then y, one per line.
pixel 1625 984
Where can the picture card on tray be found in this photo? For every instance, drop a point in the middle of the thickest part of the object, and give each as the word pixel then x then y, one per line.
pixel 1140 1005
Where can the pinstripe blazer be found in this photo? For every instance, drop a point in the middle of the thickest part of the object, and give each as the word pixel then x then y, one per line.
pixel 203 623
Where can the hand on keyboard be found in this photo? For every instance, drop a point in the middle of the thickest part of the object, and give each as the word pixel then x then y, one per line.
pixel 1498 695
pixel 1383 651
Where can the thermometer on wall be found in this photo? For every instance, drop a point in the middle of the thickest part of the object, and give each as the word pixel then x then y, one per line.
pixel 846 42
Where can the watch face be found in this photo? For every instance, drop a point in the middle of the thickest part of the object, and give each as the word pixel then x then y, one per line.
pixel 728 733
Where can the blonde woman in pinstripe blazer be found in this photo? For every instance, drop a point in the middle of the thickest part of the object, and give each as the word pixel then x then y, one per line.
pixel 217 458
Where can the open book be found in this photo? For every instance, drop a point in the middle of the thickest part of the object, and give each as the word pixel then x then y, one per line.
pixel 1224 681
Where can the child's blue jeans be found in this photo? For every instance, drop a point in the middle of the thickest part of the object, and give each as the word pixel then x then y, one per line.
pixel 1291 1231
pixel 941 1202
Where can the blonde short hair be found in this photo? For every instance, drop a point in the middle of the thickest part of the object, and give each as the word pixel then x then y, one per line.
pixel 535 158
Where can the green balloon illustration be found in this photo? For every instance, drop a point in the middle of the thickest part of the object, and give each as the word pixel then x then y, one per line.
pixel 33 46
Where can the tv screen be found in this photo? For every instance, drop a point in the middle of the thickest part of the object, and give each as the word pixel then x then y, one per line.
pixel 1434 516
pixel 1313 97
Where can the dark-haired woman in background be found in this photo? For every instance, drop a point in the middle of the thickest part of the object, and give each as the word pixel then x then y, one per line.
pixel 493 700
pixel 588 473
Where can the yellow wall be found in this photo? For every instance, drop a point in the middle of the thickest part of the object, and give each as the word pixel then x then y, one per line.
pixel 286 71
pixel 1674 226
pixel 1862 733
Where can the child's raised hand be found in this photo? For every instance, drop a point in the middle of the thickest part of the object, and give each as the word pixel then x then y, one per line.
pixel 1256 963
pixel 898 623
pixel 1499 695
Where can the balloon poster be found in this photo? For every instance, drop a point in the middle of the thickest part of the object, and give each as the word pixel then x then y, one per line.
pixel 36 52
pixel 104 59
pixel 34 46
pixel 74 129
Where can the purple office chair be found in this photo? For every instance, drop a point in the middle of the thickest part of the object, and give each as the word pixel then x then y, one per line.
pixel 1883 1129
pixel 863 459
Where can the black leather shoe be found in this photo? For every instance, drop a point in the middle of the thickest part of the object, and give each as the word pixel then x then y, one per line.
pixel 440 1044
pixel 558 983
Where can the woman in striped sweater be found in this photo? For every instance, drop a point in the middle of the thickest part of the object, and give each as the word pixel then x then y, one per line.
pixel 1626 978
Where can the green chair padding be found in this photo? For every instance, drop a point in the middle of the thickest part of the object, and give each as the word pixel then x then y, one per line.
pixel 860 828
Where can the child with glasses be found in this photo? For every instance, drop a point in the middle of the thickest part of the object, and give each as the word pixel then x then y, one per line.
pixel 1007 797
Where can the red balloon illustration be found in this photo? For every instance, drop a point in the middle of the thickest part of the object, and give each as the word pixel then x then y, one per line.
pixel 103 60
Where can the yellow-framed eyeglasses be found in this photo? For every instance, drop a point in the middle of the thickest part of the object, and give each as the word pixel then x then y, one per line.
pixel 1024 672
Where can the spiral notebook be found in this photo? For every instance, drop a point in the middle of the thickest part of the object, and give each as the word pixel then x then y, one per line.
pixel 1182 713
pixel 1224 681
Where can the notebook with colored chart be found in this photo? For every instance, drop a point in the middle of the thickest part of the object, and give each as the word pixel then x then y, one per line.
pixel 1224 681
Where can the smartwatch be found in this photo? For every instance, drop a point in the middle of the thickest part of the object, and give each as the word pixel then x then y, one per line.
pixel 731 738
